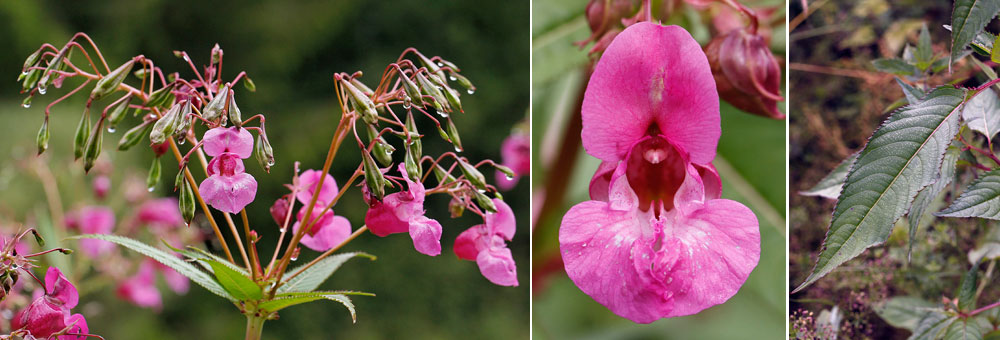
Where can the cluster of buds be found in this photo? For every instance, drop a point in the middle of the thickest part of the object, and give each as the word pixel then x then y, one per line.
pixel 13 259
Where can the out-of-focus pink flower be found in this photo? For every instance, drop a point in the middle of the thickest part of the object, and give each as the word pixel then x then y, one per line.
pixel 93 220
pixel 177 282
pixel 49 314
pixel 228 188
pixel 101 186
pixel 746 72
pixel 307 185
pixel 327 232
pixel 656 241
pixel 279 210
pixel 161 212
pixel 404 212
pixel 486 244
pixel 516 154
pixel 141 288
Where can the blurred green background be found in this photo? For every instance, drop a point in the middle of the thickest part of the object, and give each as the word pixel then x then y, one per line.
pixel 291 49
pixel 751 161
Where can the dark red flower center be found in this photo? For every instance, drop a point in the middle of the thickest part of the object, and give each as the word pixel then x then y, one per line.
pixel 655 171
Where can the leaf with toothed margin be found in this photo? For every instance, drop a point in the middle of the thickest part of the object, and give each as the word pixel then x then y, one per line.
pixel 895 66
pixel 311 278
pixel 240 287
pixel 927 195
pixel 904 311
pixel 282 301
pixel 965 329
pixel 932 325
pixel 968 18
pixel 170 260
pixel 903 156
pixel 982 43
pixel 913 94
pixel 832 183
pixel 981 199
pixel 982 113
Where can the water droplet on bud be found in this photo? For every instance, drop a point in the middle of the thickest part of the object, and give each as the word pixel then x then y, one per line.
pixel 440 64
pixel 26 104
pixel 471 91
pixel 458 149
pixel 150 189
pixel 406 102
pixel 111 129
pixel 509 177
pixel 41 89
pixel 281 230
pixel 295 257
pixel 181 140
pixel 452 78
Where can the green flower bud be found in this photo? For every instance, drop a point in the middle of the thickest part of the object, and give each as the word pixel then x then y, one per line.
pixel 43 136
pixel 453 134
pixel 462 80
pixel 183 121
pixel 134 135
pixel 472 174
pixel 54 64
pixel 443 177
pixel 153 178
pixel 362 103
pixel 361 86
pixel 412 90
pixel 505 170
pixel 485 202
pixel 32 59
pixel 140 73
pixel 116 111
pixel 235 116
pixel 162 97
pixel 382 150
pixel 428 88
pixel 412 164
pixel 373 176
pixel 430 65
pixel 248 84
pixel 186 202
pixel 411 128
pixel 166 125
pixel 213 110
pixel 93 148
pixel 82 135
pixel 444 135
pixel 179 179
pixel 31 79
pixel 109 83
pixel 264 153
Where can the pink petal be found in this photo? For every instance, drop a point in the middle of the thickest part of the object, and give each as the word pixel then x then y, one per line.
pixel 506 183
pixel 232 139
pixel 426 235
pixel 468 243
pixel 79 326
pixel 96 220
pixel 141 288
pixel 60 288
pixel 41 318
pixel 497 265
pixel 229 193
pixel 307 185
pixel 516 153
pixel 382 219
pixel 161 212
pixel 600 183
pixel 502 222
pixel 710 178
pixel 651 73
pixel 331 233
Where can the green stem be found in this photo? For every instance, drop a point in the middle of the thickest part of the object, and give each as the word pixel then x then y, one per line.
pixel 255 327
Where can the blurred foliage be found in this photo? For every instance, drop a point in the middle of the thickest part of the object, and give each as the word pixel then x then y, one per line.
pixel 291 49
pixel 751 159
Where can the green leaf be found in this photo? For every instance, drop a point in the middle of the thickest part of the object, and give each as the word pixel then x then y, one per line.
pixel 982 113
pixel 913 94
pixel 964 329
pixel 994 335
pixel 932 325
pixel 188 270
pixel 311 278
pixel 282 301
pixel 968 18
pixel 904 311
pixel 980 199
pixel 239 286
pixel 966 292
pixel 833 182
pixel 196 253
pixel 927 195
pixel 902 157
pixel 895 66
pixel 982 43
pixel 925 53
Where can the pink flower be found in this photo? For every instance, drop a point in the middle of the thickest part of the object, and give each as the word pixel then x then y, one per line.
pixel 486 244
pixel 101 186
pixel 656 241
pixel 327 232
pixel 177 282
pixel 49 314
pixel 140 289
pixel 161 212
pixel 516 154
pixel 307 185
pixel 228 188
pixel 404 212
pixel 93 220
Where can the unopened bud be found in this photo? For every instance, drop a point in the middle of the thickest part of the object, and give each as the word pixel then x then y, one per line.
pixel 381 150
pixel 412 90
pixel 428 88
pixel 453 135
pixel 485 202
pixel 414 141
pixel 235 116
pixel 213 110
pixel 140 73
pixel 179 179
pixel 38 238
pixel 472 174
pixel 183 120
pixel 505 170
pixel 82 135
pixel 373 176
pixel 362 103
pixel 264 153
pixel 43 136
pixel 55 64
pixel 165 126
pixel 109 83
pixel 462 80
pixel 746 72
pixel 133 136
pixel 66 251
pixel 32 59
pixel 449 94
pixel 93 148
pixel 279 210
pixel 361 86
pixel 443 177
pixel 412 164
pixel 153 178
pixel 162 97
pixel 116 112
pixel 248 84
pixel 186 202
pixel 31 79
pixel 456 206
pixel 430 65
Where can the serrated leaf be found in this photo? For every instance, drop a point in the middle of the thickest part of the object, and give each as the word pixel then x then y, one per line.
pixel 913 94
pixel 968 18
pixel 283 301
pixel 980 199
pixel 188 270
pixel 240 287
pixel 966 292
pixel 832 183
pixel 195 253
pixel 904 311
pixel 932 325
pixel 982 43
pixel 310 279
pixel 927 195
pixel 964 329
pixel 982 113
pixel 902 157
pixel 895 66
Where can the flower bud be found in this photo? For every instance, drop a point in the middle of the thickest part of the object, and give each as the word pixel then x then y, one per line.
pixel 456 206
pixel 109 83
pixel 116 111
pixel 472 174
pixel 43 136
pixel 161 97
pixel 485 202
pixel 134 135
pixel 82 135
pixel 161 148
pixel 430 65
pixel 453 135
pixel 462 80
pixel 362 103
pixel 186 202
pixel 361 86
pixel 31 79
pixel 382 150
pixel 412 90
pixel 32 59
pixel 411 128
pixel 443 177
pixel 235 116
pixel 449 94
pixel 55 64
pixel 93 148
pixel 746 72
pixel 373 176
pixel 505 170
pixel 213 110
pixel 165 126
pixel 279 210
pixel 248 84
pixel 153 178
pixel 428 88
pixel 179 179
pixel 412 164
pixel 183 121
pixel 264 153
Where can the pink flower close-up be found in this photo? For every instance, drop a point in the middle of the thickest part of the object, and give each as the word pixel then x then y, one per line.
pixel 656 241
pixel 49 314
pixel 234 140
pixel 327 232
pixel 487 245
pixel 516 154
pixel 403 212
pixel 307 185
pixel 93 220
pixel 228 187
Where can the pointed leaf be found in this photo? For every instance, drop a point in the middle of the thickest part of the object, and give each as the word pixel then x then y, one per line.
pixel 170 260
pixel 196 253
pixel 932 325
pixel 240 287
pixel 980 199
pixel 283 301
pixel 965 329
pixel 904 311
pixel 927 195
pixel 924 55
pixel 895 66
pixel 966 292
pixel 831 185
pixel 903 156
pixel 913 94
pixel 311 278
pixel 982 113
pixel 982 43
pixel 968 18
